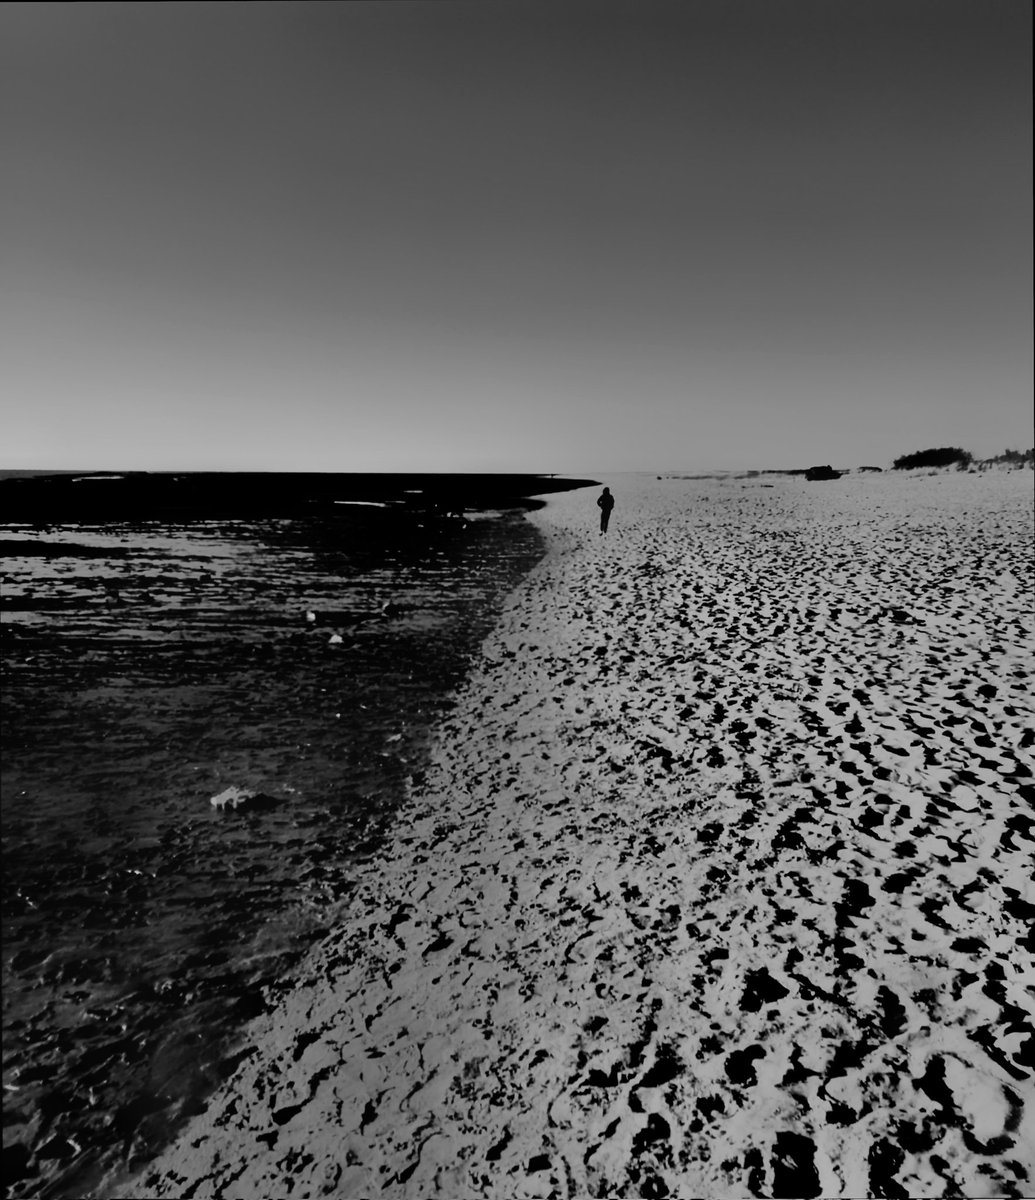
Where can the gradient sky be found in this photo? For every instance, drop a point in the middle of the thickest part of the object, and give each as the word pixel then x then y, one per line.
pixel 554 236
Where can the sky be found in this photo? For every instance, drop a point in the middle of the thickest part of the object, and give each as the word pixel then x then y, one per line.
pixel 513 236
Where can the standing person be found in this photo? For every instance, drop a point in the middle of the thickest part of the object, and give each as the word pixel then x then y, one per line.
pixel 605 502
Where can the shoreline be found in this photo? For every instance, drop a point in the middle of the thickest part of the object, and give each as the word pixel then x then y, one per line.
pixel 714 885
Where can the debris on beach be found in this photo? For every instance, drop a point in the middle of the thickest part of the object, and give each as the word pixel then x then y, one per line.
pixel 238 799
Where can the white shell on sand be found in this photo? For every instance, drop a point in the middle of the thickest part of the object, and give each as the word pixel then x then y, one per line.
pixel 718 883
pixel 232 797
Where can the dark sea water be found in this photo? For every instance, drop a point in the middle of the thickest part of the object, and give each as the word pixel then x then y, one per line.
pixel 148 666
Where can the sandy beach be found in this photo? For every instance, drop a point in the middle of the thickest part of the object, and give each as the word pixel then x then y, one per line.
pixel 718 884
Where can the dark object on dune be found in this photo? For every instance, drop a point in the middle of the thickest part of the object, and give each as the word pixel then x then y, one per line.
pixel 942 456
pixel 827 472
pixel 877 469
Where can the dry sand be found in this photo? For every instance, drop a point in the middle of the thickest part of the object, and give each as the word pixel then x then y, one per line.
pixel 718 886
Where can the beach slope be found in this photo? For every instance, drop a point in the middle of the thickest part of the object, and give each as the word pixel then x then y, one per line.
pixel 718 884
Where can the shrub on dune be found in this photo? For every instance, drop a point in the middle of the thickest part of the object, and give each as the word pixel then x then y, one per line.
pixel 1010 458
pixel 943 456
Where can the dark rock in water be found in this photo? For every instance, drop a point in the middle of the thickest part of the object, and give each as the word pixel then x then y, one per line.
pixel 236 799
pixel 16 1162
pixel 22 960
pixel 53 1103
pixel 827 472
pixel 127 1117
pixel 57 1147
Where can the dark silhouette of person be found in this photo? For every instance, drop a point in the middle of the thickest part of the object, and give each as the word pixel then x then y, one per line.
pixel 605 502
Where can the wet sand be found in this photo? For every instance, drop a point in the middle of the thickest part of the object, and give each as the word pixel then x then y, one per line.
pixel 718 883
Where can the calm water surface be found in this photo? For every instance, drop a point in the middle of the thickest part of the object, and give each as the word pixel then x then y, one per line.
pixel 147 668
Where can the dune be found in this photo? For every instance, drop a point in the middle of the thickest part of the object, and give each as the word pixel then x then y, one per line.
pixel 718 884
